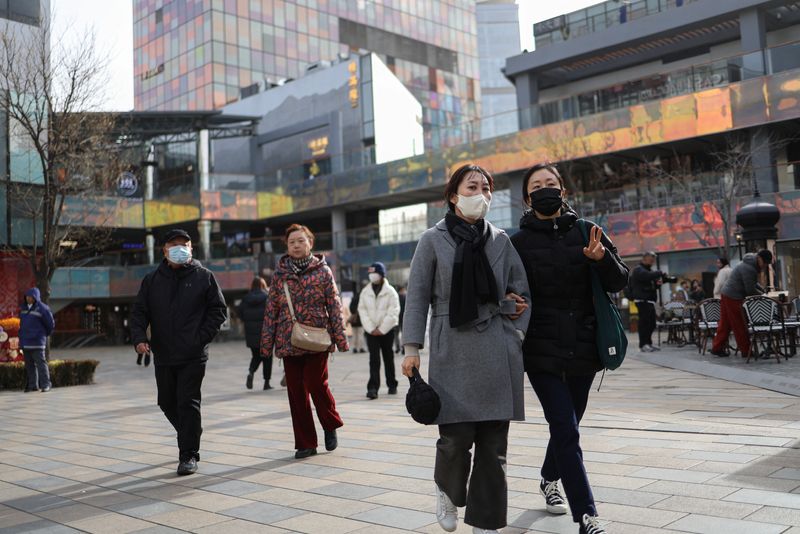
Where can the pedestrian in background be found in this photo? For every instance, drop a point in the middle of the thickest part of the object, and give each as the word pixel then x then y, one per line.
pixel 645 283
pixel 251 311
pixel 560 348
pixel 461 270
pixel 36 323
pixel 742 283
pixel 357 331
pixel 696 294
pixel 308 281
pixel 379 310
pixel 723 274
pixel 183 306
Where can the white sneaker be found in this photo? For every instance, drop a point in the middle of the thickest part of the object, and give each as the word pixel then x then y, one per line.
pixel 446 511
pixel 591 525
pixel 552 497
pixel 476 530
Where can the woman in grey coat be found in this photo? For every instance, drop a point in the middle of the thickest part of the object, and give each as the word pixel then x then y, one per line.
pixel 461 270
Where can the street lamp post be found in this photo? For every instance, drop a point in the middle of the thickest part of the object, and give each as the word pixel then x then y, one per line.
pixel 758 220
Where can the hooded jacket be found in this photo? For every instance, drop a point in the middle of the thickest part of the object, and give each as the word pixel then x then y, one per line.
pixel 251 311
pixel 742 281
pixel 184 309
pixel 36 323
pixel 561 336
pixel 316 303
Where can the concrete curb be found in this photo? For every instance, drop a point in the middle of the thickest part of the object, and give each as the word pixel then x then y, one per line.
pixel 781 384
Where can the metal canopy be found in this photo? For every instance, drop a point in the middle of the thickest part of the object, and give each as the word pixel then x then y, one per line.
pixel 135 127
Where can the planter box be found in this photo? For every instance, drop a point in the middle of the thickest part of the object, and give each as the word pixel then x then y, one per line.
pixel 62 373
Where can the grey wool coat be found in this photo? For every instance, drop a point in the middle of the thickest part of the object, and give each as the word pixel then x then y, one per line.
pixel 477 368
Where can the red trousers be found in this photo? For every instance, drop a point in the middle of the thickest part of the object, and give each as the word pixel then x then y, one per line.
pixel 732 318
pixel 306 375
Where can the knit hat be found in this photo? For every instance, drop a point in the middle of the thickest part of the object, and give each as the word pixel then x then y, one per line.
pixel 422 401
pixel 379 268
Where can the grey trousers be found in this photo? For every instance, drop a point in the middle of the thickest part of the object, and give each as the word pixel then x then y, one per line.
pixel 486 498
pixel 36 369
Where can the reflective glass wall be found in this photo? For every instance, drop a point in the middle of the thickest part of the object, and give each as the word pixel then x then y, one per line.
pixel 202 54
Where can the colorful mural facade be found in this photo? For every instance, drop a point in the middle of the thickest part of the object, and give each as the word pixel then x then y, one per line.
pixel 162 213
pixel 104 211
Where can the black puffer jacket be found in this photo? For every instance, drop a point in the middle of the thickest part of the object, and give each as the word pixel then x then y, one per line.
pixel 184 309
pixel 251 312
pixel 561 334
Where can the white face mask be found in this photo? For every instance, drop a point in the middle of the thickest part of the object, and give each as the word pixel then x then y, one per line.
pixel 474 207
pixel 375 278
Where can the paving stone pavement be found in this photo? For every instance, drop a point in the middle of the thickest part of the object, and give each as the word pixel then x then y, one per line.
pixel 666 451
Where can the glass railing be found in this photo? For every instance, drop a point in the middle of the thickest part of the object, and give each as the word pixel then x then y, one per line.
pixel 599 17
pixel 652 193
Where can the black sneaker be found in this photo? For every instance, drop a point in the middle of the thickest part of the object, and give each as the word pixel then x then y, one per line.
pixel 590 525
pixel 552 497
pixel 331 441
pixel 249 382
pixel 304 453
pixel 372 394
pixel 266 385
pixel 187 467
pixel 720 353
pixel 393 391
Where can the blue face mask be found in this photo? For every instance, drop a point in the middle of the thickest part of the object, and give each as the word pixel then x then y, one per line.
pixel 179 254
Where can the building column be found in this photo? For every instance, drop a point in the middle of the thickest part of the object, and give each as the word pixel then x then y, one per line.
pixel 753 35
pixel 517 203
pixel 527 86
pixel 339 237
pixel 204 159
pixel 150 245
pixel 204 229
pixel 149 173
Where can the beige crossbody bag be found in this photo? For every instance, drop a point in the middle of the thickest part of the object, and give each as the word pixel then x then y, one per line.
pixel 310 338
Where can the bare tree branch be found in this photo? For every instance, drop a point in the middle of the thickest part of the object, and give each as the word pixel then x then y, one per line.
pixel 50 86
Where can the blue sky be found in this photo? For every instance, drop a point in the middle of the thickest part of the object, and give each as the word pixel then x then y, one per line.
pixel 112 23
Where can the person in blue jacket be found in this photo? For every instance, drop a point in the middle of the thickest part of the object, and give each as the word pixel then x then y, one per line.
pixel 36 324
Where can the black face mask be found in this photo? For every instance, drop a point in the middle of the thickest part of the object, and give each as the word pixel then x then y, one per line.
pixel 546 200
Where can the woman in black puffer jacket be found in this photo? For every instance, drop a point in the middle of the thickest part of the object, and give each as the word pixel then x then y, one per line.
pixel 560 352
pixel 251 312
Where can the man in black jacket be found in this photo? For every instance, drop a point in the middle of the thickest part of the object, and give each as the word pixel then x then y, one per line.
pixel 645 283
pixel 183 305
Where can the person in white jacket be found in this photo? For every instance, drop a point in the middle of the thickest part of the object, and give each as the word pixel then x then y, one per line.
pixel 379 311
pixel 722 275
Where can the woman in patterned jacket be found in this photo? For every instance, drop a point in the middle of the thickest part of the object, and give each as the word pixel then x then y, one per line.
pixel 316 303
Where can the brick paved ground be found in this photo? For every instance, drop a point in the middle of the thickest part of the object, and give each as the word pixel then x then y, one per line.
pixel 667 451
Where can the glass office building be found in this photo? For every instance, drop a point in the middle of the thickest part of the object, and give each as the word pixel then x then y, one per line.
pixel 203 54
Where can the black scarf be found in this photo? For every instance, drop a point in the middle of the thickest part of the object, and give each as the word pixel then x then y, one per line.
pixel 473 280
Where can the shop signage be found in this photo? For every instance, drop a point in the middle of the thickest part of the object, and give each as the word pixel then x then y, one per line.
pixel 155 71
pixel 127 184
pixel 352 83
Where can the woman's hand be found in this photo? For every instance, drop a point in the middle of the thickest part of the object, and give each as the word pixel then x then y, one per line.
pixel 595 250
pixel 409 362
pixel 521 306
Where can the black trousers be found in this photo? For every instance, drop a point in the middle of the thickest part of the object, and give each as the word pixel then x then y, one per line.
pixel 179 399
pixel 564 403
pixel 647 322
pixel 487 497
pixel 377 346
pixel 257 359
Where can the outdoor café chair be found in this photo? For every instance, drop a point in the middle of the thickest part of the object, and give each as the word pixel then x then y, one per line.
pixel 764 326
pixel 710 314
